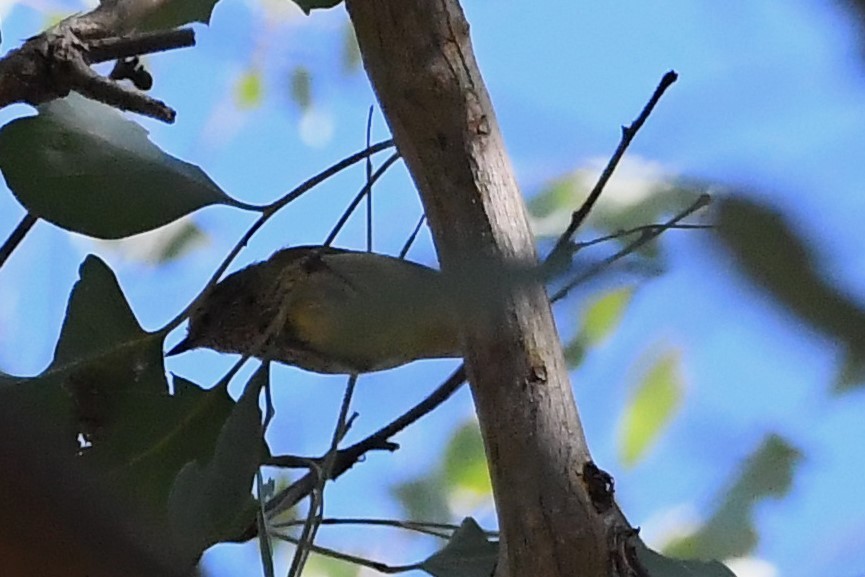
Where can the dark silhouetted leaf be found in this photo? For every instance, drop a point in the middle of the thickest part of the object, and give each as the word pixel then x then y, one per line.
pixel 772 254
pixel 82 166
pixel 730 531
pixel 211 501
pixel 468 554
pixel 657 565
pixel 309 5
pixel 176 13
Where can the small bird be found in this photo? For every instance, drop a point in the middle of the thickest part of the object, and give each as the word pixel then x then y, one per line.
pixel 328 310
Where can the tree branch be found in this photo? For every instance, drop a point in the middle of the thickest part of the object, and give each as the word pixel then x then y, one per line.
pixel 419 58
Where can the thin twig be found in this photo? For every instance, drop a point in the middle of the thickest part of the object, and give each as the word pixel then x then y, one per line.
pixel 440 530
pixel 364 192
pixel 16 237
pixel 368 179
pixel 346 458
pixel 316 508
pixel 362 561
pixel 411 238
pixel 266 213
pixel 647 235
pixel 628 134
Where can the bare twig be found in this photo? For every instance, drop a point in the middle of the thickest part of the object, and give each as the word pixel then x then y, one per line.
pixel 648 234
pixel 362 561
pixel 16 237
pixel 117 47
pixel 628 134
pixel 364 192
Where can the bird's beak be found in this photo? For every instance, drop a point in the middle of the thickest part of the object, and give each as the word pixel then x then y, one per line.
pixel 181 347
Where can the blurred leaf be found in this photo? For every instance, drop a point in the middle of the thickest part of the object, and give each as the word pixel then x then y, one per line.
pixel 599 319
pixel 351 59
pixel 657 565
pixel 160 246
pixel 309 5
pixel 602 315
pixel 177 13
pixel 249 90
pixel 468 554
pixel 640 193
pixel 653 404
pixel 212 501
pixel 770 253
pixel 301 87
pixel 82 166
pixel 465 463
pixel 730 531
pixel 423 498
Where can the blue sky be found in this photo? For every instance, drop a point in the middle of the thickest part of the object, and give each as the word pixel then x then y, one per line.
pixel 769 99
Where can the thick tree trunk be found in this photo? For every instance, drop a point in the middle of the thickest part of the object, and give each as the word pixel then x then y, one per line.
pixel 418 56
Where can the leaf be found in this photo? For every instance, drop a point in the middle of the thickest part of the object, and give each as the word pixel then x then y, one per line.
pixel 351 59
pixel 423 498
pixel 730 531
pixel 82 166
pixel 301 87
pixel 653 404
pixel 212 501
pixel 309 5
pixel 465 463
pixel 106 385
pixel 249 90
pixel 774 256
pixel 468 554
pixel 599 319
pixel 657 565
pixel 177 13
pixel 160 246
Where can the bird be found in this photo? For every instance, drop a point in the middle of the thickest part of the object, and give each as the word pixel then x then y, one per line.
pixel 328 310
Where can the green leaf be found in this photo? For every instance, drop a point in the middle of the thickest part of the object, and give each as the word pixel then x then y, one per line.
pixel 82 166
pixel 650 409
pixel 309 5
pixel 249 90
pixel 351 58
pixel 177 13
pixel 212 501
pixel 301 87
pixel 468 554
pixel 657 565
pixel 773 255
pixel 730 531
pixel 106 385
pixel 603 315
pixel 465 463
pixel 424 498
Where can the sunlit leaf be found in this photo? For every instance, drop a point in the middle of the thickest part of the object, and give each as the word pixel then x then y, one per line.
pixel 468 554
pixel 301 87
pixel 603 314
pixel 249 89
pixel 84 167
pixel 773 255
pixel 730 532
pixel 650 409
pixel 465 463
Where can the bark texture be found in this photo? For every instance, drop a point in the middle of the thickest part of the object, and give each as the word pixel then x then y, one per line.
pixel 418 56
